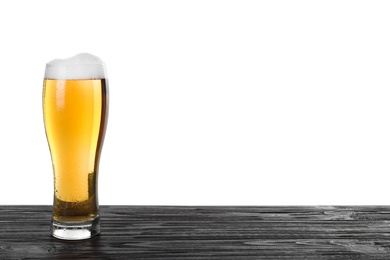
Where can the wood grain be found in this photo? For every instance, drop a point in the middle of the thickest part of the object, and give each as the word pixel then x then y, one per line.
pixel 183 232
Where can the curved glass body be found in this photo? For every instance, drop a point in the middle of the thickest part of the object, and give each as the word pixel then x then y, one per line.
pixel 75 116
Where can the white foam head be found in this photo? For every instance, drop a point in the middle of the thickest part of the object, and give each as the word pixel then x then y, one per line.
pixel 80 66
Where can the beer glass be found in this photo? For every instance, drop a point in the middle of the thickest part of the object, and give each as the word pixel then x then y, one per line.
pixel 75 109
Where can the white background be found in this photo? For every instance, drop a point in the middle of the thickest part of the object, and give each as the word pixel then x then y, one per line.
pixel 211 102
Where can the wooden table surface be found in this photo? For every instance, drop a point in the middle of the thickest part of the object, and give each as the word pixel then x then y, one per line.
pixel 184 232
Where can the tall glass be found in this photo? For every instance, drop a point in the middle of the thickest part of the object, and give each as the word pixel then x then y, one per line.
pixel 75 108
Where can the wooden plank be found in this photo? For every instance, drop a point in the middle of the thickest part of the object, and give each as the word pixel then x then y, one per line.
pixel 172 232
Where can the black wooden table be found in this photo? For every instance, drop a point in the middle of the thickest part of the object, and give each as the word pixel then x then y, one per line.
pixel 183 232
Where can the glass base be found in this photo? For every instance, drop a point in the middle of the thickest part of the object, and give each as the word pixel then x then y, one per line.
pixel 75 230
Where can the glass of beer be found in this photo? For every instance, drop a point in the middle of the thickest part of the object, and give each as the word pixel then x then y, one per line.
pixel 75 109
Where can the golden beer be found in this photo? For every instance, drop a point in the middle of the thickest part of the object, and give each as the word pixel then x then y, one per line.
pixel 75 117
pixel 75 120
